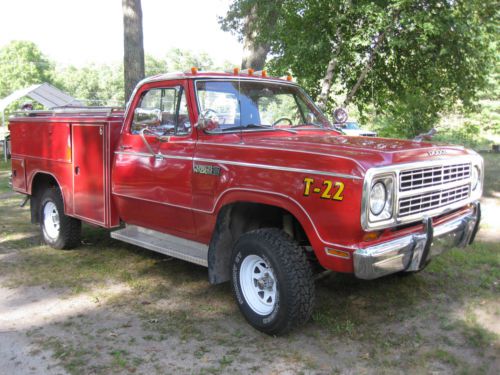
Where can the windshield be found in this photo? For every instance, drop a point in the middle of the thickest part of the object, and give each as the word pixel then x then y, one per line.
pixel 236 105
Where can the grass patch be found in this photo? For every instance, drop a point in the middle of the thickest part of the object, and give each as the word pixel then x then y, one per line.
pixel 4 176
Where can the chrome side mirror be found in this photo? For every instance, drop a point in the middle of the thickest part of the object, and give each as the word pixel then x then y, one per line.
pixel 340 115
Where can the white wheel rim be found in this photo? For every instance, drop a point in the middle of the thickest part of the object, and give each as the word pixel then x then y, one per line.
pixel 258 284
pixel 51 222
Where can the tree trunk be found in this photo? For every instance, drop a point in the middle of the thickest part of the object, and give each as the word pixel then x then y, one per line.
pixel 326 84
pixel 133 58
pixel 371 59
pixel 368 66
pixel 254 52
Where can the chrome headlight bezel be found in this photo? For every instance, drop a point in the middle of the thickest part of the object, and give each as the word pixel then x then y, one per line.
pixel 369 218
pixel 476 187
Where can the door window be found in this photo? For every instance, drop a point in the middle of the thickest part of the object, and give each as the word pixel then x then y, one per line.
pixel 163 111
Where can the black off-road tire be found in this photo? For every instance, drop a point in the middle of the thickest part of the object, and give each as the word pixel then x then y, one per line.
pixel 70 229
pixel 294 280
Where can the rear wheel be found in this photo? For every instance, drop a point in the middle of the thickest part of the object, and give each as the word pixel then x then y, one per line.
pixel 272 281
pixel 58 230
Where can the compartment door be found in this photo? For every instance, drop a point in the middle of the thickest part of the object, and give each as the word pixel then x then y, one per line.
pixel 89 181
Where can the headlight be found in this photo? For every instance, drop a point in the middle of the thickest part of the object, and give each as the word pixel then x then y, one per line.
pixel 378 198
pixel 475 177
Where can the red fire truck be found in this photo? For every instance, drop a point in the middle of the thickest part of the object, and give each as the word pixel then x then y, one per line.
pixel 243 174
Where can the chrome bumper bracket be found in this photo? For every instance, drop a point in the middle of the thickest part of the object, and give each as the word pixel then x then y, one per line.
pixel 477 208
pixel 429 231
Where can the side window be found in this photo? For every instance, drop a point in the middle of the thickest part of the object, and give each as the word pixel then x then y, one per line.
pixel 163 111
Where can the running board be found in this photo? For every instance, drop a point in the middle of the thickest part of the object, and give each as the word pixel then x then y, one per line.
pixel 163 243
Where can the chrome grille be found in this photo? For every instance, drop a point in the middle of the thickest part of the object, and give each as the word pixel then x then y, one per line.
pixel 433 176
pixel 431 200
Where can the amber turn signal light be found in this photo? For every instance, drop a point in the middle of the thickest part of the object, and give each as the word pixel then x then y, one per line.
pixel 370 236
pixel 338 253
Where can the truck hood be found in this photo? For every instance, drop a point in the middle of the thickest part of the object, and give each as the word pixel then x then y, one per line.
pixel 366 151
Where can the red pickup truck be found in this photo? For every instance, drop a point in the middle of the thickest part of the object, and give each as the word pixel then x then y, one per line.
pixel 243 174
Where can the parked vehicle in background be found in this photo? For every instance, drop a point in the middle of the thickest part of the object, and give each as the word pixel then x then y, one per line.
pixel 352 128
pixel 244 175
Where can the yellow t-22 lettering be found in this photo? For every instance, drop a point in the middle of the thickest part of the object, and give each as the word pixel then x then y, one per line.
pixel 328 190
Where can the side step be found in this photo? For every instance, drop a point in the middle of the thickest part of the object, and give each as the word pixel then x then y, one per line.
pixel 163 243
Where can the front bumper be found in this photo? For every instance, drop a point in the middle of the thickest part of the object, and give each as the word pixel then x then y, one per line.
pixel 413 252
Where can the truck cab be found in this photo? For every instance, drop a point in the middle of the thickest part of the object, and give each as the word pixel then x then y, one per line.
pixel 242 173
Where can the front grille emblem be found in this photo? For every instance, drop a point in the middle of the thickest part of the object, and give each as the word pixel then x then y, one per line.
pixel 436 152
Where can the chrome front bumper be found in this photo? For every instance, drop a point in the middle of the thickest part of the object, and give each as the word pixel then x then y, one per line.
pixel 413 252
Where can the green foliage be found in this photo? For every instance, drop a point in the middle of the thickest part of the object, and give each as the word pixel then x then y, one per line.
pixel 93 84
pixel 432 53
pixel 23 64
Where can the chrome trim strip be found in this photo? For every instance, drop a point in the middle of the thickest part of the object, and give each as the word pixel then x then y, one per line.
pixel 278 168
pixel 242 164
pixel 160 156
pixel 372 173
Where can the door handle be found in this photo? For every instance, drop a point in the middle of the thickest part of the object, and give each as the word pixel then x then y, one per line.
pixel 125 147
pixel 77 171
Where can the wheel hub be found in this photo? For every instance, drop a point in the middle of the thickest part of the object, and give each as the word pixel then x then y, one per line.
pixel 265 282
pixel 51 221
pixel 258 284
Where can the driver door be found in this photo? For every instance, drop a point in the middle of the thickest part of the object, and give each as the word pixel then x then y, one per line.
pixel 154 161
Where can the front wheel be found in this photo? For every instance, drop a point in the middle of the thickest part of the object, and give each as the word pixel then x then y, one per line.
pixel 58 230
pixel 272 281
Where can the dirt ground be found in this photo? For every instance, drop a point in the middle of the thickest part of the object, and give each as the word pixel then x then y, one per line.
pixel 112 308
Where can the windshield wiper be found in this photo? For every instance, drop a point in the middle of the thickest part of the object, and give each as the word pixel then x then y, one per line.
pixel 256 126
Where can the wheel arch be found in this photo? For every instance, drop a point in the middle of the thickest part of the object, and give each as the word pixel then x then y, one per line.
pixel 237 216
pixel 39 183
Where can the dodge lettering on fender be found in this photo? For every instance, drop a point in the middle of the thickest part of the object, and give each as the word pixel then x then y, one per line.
pixel 243 174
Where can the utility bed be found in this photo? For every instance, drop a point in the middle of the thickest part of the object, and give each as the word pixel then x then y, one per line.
pixel 76 146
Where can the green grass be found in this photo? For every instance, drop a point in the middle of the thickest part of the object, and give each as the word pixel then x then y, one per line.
pixel 4 176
